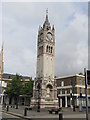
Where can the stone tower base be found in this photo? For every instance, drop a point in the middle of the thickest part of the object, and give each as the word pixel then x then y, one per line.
pixel 44 103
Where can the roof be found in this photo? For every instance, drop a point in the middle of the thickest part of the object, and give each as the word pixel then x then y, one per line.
pixel 76 75
pixel 10 76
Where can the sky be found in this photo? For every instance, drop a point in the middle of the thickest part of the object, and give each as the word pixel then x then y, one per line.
pixel 20 22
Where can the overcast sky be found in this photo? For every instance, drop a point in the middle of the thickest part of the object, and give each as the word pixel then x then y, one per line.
pixel 20 23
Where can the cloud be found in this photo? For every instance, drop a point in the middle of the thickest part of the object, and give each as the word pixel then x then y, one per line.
pixel 20 30
pixel 45 1
pixel 72 55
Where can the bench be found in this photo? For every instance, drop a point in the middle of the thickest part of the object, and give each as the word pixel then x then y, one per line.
pixel 12 106
pixel 54 110
pixel 28 108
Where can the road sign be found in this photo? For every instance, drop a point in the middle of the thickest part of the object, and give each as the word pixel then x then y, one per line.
pixel 88 77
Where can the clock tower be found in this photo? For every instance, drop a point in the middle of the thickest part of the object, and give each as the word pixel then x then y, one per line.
pixel 45 84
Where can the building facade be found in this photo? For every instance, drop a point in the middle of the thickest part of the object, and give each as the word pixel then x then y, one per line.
pixel 70 88
pixel 23 99
pixel 45 67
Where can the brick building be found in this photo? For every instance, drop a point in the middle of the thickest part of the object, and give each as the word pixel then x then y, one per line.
pixel 23 99
pixel 69 89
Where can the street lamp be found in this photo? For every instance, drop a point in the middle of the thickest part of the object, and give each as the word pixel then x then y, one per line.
pixel 58 100
pixel 72 96
pixel 5 98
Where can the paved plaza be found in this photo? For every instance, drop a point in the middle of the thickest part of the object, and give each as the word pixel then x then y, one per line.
pixel 68 113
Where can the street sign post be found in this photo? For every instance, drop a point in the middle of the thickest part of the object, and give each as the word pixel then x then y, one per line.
pixel 85 73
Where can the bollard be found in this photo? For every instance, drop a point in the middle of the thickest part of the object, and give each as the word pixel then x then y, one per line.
pixel 7 108
pixel 73 108
pixel 5 105
pixel 60 116
pixel 13 106
pixel 25 112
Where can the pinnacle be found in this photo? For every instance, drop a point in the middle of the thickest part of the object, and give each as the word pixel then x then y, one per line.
pixel 46 23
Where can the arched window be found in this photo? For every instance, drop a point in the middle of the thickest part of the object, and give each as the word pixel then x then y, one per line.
pixel 51 49
pixel 47 49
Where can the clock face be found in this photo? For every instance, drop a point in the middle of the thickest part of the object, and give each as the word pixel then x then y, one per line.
pixel 49 36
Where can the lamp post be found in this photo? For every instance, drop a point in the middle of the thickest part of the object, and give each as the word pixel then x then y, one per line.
pixel 5 98
pixel 72 96
pixel 58 100
pixel 17 98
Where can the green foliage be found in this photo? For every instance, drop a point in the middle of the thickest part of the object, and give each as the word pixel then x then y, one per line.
pixel 27 88
pixel 17 86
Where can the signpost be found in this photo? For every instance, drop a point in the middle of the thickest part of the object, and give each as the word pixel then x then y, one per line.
pixel 80 106
pixel 85 73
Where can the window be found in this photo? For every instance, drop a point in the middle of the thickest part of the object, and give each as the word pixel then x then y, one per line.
pixel 71 82
pixel 70 90
pixel 84 91
pixel 80 82
pixel 51 49
pixel 47 49
pixel 62 84
pixel 80 90
pixel 63 91
pixel 84 82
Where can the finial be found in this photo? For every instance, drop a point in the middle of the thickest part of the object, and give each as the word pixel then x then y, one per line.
pixel 47 14
pixel 47 11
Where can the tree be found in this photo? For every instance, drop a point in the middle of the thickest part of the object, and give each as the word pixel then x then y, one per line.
pixel 27 88
pixel 14 88
pixel 18 86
